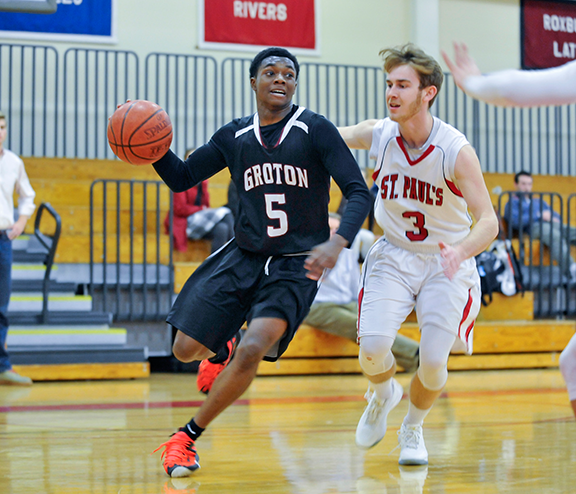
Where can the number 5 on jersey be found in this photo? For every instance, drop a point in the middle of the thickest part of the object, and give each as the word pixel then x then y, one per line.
pixel 276 214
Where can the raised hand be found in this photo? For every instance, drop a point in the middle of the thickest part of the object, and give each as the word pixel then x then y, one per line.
pixel 463 66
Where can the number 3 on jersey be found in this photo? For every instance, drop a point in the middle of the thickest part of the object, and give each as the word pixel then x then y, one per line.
pixel 418 220
pixel 276 214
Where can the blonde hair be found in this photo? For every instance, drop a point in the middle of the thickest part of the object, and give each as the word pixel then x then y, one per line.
pixel 428 69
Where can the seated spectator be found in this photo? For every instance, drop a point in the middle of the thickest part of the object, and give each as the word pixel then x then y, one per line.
pixel 194 219
pixel 534 216
pixel 335 308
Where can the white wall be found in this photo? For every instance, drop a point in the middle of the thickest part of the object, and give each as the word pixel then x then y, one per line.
pixel 490 28
pixel 351 31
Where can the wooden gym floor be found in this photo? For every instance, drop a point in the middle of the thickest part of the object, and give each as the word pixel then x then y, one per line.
pixel 491 432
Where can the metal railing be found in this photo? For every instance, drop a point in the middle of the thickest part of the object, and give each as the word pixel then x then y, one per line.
pixel 50 243
pixel 63 111
pixel 29 96
pixel 94 82
pixel 571 290
pixel 186 87
pixel 543 246
pixel 131 265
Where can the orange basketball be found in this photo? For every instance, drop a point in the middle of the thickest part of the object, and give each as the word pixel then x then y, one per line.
pixel 139 132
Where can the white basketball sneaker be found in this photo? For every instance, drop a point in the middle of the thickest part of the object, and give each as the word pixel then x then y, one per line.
pixel 412 448
pixel 372 426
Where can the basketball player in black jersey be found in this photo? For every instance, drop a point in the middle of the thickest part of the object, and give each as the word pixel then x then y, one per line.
pixel 281 160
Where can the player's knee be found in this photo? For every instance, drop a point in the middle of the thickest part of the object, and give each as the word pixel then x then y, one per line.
pixel 249 353
pixel 186 349
pixel 433 373
pixel 375 356
pixel 184 354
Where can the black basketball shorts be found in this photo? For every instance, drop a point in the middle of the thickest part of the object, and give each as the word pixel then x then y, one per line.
pixel 233 286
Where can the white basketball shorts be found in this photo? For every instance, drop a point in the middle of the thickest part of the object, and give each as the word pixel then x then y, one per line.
pixel 395 280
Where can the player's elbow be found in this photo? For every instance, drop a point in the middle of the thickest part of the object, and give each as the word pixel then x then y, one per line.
pixel 492 226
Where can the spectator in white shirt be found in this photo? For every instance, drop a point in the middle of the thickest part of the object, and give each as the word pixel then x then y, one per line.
pixel 335 308
pixel 12 178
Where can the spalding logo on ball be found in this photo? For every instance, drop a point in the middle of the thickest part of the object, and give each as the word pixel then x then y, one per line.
pixel 140 132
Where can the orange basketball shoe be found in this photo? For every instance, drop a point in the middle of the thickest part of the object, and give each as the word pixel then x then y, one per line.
pixel 209 371
pixel 179 456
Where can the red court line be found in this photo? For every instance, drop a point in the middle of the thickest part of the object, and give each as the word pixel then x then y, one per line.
pixel 253 401
pixel 100 406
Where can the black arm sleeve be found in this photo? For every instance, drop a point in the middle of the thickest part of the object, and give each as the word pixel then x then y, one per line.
pixel 181 175
pixel 341 164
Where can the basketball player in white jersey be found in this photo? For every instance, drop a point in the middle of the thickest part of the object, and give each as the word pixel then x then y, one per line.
pixel 522 88
pixel 428 177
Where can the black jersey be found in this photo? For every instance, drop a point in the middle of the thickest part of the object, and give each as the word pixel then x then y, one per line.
pixel 283 187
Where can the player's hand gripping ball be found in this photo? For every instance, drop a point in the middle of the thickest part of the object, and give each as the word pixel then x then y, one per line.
pixel 139 132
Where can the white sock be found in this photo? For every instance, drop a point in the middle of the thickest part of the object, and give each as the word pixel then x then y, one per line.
pixel 415 416
pixel 383 390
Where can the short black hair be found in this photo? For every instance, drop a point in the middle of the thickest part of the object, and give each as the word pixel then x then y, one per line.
pixel 273 51
pixel 520 174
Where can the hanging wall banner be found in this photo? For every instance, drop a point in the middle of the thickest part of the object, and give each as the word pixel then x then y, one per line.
pixel 548 33
pixel 248 25
pixel 91 21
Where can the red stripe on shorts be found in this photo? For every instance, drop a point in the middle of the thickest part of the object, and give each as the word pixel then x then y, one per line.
pixel 465 313
pixel 360 297
pixel 469 330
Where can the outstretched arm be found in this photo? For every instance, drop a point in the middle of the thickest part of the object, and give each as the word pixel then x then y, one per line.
pixel 521 88
pixel 182 175
pixel 358 136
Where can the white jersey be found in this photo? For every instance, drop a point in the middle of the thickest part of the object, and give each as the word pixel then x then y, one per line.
pixel 418 203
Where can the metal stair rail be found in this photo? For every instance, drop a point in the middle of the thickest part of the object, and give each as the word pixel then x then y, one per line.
pixel 50 243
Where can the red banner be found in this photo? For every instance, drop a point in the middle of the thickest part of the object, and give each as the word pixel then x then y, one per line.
pixel 229 24
pixel 548 33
